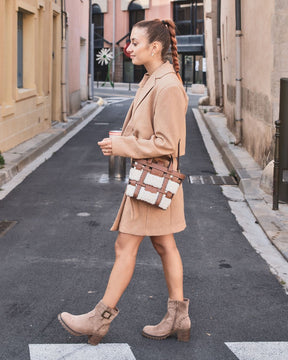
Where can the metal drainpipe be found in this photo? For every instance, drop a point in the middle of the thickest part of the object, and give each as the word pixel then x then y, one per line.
pixel 63 59
pixel 219 58
pixel 238 112
pixel 91 55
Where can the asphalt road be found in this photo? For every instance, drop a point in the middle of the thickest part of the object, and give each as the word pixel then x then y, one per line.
pixel 59 255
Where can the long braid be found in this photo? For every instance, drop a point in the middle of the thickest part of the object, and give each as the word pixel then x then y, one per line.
pixel 165 32
pixel 172 30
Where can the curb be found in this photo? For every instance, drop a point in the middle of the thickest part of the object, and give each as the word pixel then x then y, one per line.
pixel 19 157
pixel 240 163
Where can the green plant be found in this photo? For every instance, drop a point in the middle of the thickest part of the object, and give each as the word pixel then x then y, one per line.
pixel 2 161
pixel 233 173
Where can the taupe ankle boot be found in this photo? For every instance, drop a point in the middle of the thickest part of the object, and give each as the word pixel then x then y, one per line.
pixel 176 321
pixel 95 324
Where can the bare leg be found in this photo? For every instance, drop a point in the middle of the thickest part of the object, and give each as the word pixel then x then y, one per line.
pixel 166 247
pixel 126 249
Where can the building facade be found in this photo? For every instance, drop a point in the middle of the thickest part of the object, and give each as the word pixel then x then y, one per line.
pixel 188 16
pixel 263 61
pixel 36 39
pixel 77 44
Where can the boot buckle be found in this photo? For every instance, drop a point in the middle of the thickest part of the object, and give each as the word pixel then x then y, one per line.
pixel 106 314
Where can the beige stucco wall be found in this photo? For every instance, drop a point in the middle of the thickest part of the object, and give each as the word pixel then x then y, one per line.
pixel 279 31
pixel 210 22
pixel 26 112
pixel 264 59
pixel 257 60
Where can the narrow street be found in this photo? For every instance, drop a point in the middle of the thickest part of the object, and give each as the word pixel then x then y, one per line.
pixel 59 255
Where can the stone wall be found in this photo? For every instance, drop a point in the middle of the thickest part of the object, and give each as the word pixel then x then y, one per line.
pixel 210 24
pixel 262 50
pixel 279 70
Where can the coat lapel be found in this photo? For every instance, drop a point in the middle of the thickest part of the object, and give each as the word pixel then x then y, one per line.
pixel 145 87
pixel 144 91
pixel 128 117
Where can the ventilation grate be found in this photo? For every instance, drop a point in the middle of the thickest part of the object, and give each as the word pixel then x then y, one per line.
pixel 211 180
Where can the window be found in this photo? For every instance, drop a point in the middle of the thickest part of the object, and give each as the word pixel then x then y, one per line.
pixel 188 17
pixel 136 13
pixel 25 49
pixel 100 71
pixel 20 50
pixel 98 21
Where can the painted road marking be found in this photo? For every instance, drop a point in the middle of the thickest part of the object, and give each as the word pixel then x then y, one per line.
pixel 259 350
pixel 80 352
pixel 115 100
pixel 242 350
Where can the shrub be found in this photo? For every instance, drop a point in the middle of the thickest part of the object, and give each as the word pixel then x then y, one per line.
pixel 2 161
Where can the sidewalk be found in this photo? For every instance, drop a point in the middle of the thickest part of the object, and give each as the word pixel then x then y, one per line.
pixel 22 155
pixel 195 89
pixel 239 161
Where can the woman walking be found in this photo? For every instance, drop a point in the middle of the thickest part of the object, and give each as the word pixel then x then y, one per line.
pixel 153 128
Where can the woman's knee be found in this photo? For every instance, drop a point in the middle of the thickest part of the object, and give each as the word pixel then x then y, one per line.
pixel 160 249
pixel 164 244
pixel 127 245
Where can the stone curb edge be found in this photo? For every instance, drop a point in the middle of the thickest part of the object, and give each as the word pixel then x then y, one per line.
pixel 273 223
pixel 25 153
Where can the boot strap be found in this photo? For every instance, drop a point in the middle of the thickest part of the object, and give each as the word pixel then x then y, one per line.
pixel 106 314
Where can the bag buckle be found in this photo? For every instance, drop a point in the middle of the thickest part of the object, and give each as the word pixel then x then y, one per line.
pixel 106 314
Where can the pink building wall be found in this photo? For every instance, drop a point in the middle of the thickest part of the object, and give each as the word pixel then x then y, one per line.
pixel 77 63
pixel 161 9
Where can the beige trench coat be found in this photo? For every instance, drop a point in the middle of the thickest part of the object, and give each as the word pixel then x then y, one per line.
pixel 153 127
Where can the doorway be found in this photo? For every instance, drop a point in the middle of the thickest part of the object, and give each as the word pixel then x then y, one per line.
pixel 191 69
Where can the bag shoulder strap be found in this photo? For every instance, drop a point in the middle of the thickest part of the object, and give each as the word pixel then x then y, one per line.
pixel 178 157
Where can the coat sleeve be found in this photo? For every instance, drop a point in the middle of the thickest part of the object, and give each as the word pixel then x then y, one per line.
pixel 169 117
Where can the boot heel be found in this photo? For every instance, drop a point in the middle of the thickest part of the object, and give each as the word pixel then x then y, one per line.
pixel 183 335
pixel 94 339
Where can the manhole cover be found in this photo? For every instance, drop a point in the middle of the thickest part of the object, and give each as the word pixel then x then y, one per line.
pixel 6 226
pixel 211 180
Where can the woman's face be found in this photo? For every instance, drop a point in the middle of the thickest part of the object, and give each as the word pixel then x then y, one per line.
pixel 139 49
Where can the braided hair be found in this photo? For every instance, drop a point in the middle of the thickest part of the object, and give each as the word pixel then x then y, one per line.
pixel 163 31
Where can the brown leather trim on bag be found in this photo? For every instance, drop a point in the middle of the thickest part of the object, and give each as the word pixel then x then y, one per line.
pixel 160 170
pixel 165 182
pixel 140 183
pixel 143 163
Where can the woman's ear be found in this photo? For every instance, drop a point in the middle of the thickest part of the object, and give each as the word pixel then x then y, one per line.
pixel 156 47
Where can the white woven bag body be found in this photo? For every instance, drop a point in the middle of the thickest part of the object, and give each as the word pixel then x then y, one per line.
pixel 156 188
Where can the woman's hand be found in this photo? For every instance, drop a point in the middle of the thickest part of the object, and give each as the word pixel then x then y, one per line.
pixel 106 146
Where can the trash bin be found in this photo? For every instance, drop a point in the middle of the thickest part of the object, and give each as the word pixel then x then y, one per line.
pixel 117 164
